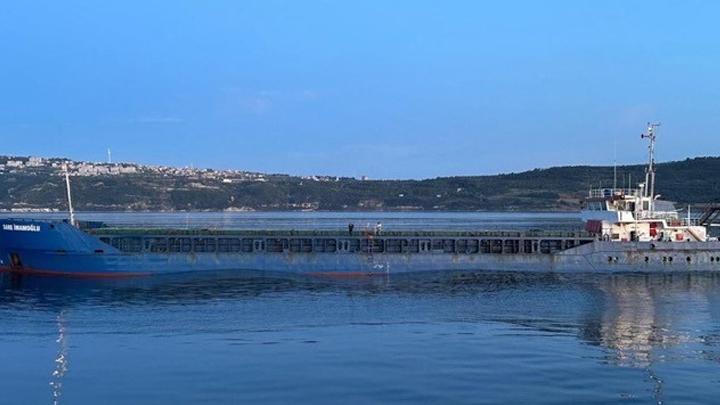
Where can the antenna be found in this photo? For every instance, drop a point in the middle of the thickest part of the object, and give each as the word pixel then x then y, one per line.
pixel 650 171
pixel 614 164
pixel 69 195
pixel 109 153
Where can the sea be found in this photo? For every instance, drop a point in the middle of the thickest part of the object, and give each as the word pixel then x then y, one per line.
pixel 471 338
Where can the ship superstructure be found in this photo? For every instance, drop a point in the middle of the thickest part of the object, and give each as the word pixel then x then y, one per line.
pixel 638 214
pixel 624 215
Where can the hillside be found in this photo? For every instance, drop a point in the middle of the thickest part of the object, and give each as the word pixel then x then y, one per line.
pixel 33 183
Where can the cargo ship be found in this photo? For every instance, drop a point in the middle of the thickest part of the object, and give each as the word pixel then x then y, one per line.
pixel 626 230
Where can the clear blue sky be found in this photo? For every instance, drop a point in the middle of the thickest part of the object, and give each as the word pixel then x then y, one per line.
pixel 388 89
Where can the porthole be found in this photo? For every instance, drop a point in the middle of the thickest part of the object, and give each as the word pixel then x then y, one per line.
pixel 664 259
pixel 670 259
pixel 689 259
pixel 610 259
pixel 712 259
pixel 647 259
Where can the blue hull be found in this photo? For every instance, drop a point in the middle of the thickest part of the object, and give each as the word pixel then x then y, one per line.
pixel 44 247
pixel 57 248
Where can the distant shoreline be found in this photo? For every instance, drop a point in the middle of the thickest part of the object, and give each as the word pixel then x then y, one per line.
pixel 34 184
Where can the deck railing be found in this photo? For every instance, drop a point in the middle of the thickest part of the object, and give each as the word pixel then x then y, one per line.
pixel 610 192
pixel 131 231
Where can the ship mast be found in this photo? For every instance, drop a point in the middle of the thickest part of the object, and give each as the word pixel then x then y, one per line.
pixel 69 196
pixel 650 171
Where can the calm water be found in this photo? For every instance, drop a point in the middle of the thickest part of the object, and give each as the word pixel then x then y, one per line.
pixel 482 338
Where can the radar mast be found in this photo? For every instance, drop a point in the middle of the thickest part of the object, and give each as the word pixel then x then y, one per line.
pixel 650 171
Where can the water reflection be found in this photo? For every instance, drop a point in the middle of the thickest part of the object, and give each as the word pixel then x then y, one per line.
pixel 645 317
pixel 634 319
pixel 61 360
pixel 632 322
pixel 645 314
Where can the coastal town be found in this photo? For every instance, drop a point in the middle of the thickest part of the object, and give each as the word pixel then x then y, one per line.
pixel 36 184
pixel 14 165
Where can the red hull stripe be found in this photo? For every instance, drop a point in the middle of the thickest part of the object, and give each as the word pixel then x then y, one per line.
pixel 39 272
pixel 96 275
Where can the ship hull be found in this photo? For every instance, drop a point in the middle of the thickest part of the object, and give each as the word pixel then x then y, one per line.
pixel 37 247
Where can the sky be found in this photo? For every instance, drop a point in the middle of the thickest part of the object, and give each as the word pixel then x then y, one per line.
pixel 386 89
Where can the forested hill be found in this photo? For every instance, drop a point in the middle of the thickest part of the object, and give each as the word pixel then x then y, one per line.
pixel 34 183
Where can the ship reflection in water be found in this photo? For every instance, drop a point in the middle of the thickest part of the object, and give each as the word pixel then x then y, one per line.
pixel 61 361
pixel 643 315
pixel 451 338
pixel 652 322
pixel 634 322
